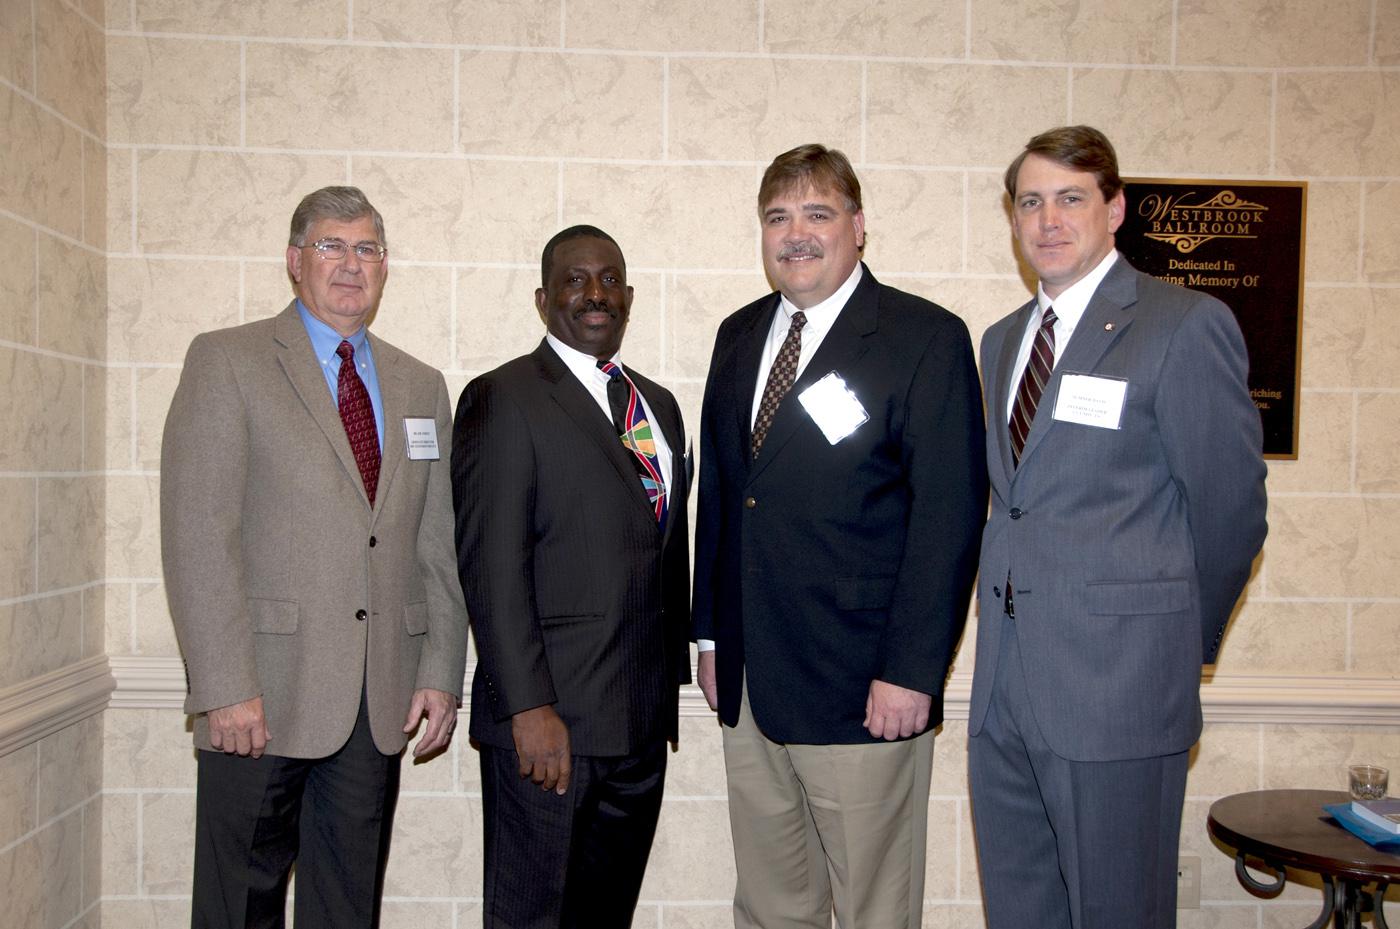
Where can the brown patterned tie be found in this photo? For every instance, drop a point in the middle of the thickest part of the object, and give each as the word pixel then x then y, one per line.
pixel 780 378
pixel 357 414
pixel 1033 381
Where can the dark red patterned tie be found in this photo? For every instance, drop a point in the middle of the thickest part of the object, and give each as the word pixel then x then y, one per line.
pixel 1033 381
pixel 780 378
pixel 357 413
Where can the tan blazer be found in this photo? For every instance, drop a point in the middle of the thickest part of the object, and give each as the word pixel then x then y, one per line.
pixel 282 580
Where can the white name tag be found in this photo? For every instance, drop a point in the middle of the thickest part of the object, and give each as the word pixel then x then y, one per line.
pixel 421 437
pixel 833 407
pixel 1091 401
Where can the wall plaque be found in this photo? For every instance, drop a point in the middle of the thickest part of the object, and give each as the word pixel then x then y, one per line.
pixel 1240 241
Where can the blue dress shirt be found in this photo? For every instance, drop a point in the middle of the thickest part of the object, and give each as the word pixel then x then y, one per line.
pixel 324 342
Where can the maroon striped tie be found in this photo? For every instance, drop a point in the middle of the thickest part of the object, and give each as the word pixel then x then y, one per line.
pixel 1033 381
pixel 357 414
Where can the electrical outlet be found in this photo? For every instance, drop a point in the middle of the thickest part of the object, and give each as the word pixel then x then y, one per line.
pixel 1188 883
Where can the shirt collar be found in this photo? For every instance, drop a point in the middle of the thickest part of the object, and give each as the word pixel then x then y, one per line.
pixel 325 340
pixel 820 316
pixel 1071 303
pixel 584 366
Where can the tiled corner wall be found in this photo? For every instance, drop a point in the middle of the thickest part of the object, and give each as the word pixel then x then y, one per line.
pixel 139 209
pixel 53 386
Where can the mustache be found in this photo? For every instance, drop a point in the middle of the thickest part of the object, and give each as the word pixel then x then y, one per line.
pixel 800 249
pixel 595 306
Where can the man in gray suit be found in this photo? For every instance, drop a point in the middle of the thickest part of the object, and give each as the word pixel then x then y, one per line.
pixel 306 533
pixel 1127 507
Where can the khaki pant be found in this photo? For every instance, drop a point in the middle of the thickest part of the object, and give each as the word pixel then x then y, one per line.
pixel 823 826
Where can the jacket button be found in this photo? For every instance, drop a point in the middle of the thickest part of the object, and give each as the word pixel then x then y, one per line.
pixel 1014 512
pixel 996 591
pixel 373 541
pixel 750 502
pixel 361 615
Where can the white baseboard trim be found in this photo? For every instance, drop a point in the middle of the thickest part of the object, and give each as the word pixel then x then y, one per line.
pixel 43 705
pixel 1310 700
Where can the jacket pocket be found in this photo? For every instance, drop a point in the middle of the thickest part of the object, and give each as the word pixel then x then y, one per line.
pixel 871 592
pixel 274 617
pixel 569 619
pixel 1129 598
pixel 415 617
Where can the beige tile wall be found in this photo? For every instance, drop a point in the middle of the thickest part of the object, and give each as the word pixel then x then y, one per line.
pixel 151 152
pixel 53 350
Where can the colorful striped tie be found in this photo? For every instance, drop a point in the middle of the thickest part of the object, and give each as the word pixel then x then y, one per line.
pixel 636 434
pixel 1033 381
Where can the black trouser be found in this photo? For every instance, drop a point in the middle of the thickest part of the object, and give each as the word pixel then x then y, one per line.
pixel 333 816
pixel 570 862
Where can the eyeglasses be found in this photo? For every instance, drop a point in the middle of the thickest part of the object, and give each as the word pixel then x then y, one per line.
pixel 335 249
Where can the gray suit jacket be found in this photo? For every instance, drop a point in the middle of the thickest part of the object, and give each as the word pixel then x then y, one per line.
pixel 1128 548
pixel 282 580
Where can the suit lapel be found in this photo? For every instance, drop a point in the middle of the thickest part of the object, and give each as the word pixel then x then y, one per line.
pixel 585 413
pixel 393 394
pixel 743 377
pixel 298 361
pixel 1104 321
pixel 843 345
pixel 1002 389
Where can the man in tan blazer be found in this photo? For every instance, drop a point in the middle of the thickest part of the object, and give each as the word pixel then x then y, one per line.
pixel 307 538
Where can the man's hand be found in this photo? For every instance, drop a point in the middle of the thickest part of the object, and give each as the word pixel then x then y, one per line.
pixel 441 709
pixel 240 728
pixel 705 677
pixel 894 712
pixel 542 742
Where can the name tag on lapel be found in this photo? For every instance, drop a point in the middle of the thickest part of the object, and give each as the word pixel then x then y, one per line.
pixel 420 437
pixel 833 407
pixel 1091 401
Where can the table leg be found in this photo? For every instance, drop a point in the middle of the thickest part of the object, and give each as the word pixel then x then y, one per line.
pixel 1329 904
pixel 1351 904
pixel 1258 888
pixel 1378 917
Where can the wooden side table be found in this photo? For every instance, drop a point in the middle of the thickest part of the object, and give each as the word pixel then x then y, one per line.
pixel 1289 829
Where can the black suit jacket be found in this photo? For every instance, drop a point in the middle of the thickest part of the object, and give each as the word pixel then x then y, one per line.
pixel 576 598
pixel 821 567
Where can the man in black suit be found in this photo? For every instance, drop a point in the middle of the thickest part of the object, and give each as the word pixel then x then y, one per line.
pixel 570 482
pixel 842 495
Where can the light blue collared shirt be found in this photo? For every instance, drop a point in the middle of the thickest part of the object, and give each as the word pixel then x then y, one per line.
pixel 324 342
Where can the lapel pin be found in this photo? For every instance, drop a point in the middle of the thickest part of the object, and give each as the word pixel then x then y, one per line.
pixel 1108 327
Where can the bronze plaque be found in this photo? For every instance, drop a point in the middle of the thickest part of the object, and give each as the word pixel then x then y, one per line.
pixel 1242 242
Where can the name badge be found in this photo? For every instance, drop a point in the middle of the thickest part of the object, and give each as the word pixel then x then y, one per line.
pixel 421 436
pixel 833 407
pixel 1091 401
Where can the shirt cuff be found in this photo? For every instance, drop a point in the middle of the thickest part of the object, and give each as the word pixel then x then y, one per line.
pixel 704 645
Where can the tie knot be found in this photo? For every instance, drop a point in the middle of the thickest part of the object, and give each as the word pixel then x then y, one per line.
pixel 1050 318
pixel 346 351
pixel 610 369
pixel 799 319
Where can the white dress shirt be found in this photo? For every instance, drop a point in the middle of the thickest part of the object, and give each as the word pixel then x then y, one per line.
pixel 819 320
pixel 585 368
pixel 1069 310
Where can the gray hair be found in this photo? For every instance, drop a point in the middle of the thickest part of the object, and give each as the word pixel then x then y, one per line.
pixel 343 203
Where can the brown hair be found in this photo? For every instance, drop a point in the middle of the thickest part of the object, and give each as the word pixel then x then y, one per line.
pixel 343 203
pixel 816 165
pixel 1081 147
